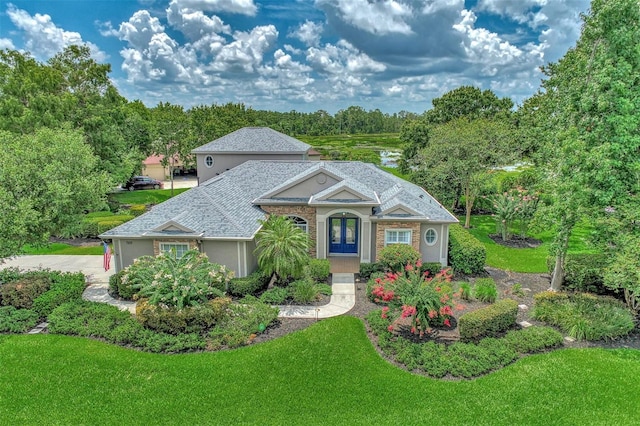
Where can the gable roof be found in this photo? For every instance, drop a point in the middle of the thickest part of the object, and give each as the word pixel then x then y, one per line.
pixel 228 206
pixel 254 140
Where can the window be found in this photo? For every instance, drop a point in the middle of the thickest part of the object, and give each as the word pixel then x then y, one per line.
pixel 397 236
pixel 208 161
pixel 430 236
pixel 299 222
pixel 178 248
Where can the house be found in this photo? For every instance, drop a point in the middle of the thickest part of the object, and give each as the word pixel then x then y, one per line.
pixel 350 209
pixel 152 167
pixel 248 143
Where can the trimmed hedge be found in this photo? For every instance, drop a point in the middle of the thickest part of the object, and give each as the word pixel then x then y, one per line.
pixel 488 321
pixel 192 319
pixel 533 339
pixel 251 284
pixel 395 257
pixel 466 254
pixel 583 272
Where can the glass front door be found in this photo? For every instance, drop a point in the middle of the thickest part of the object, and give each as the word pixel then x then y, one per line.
pixel 343 235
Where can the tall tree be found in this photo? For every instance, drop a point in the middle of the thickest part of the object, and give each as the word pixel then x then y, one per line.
pixel 459 155
pixel 170 130
pixel 47 181
pixel 592 98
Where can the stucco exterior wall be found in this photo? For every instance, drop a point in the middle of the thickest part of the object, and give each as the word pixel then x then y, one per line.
pixel 224 162
pixel 127 250
pixel 232 254
pixel 306 212
pixel 438 251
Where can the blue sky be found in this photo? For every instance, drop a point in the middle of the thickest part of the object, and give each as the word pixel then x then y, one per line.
pixel 304 55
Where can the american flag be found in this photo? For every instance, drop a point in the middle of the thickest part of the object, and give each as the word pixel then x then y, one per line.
pixel 106 258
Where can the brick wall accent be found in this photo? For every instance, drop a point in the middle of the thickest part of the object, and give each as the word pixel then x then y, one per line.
pixel 382 226
pixel 156 244
pixel 305 212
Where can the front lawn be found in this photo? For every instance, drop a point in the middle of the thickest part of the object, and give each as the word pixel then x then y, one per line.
pixel 147 196
pixel 61 248
pixel 532 260
pixel 327 374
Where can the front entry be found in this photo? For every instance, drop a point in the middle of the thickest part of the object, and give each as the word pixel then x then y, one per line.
pixel 343 235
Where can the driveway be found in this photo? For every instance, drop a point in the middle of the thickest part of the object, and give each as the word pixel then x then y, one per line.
pixel 91 266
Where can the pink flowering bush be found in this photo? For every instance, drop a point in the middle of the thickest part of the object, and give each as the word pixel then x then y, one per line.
pixel 417 300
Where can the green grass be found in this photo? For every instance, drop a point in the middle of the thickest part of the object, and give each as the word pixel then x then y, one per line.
pixel 533 260
pixel 329 374
pixel 148 196
pixel 61 248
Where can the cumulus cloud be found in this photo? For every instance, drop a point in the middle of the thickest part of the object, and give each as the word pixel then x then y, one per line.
pixel 243 7
pixel 246 52
pixel 193 22
pixel 43 38
pixel 308 32
pixel 6 43
pixel 377 17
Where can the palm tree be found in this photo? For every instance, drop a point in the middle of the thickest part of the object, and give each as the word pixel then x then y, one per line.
pixel 282 248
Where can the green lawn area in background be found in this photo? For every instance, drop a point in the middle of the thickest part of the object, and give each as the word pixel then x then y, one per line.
pixel 147 196
pixel 328 374
pixel 381 141
pixel 61 248
pixel 533 260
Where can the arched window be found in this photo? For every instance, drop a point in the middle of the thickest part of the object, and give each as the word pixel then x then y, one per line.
pixel 430 236
pixel 299 222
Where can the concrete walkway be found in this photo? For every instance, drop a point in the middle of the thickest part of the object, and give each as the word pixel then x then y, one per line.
pixel 342 300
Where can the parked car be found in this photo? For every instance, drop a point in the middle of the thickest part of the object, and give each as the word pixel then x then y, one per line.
pixel 142 182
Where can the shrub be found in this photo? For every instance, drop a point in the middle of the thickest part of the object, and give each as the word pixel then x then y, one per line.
pixel 434 359
pixel 372 283
pixel 275 296
pixel 488 321
pixel 395 257
pixel 367 269
pixel 137 209
pixel 584 272
pixel 125 289
pixel 9 274
pixel 14 320
pixel 93 319
pixel 469 360
pixel 318 269
pixel 584 316
pixel 379 324
pixel 533 339
pixel 303 291
pixel 243 319
pixel 465 290
pixel 467 255
pixel 23 291
pixel 485 290
pixel 432 268
pixel 172 282
pixel 191 319
pixel 65 287
pixel 324 289
pixel 250 284
pixel 426 301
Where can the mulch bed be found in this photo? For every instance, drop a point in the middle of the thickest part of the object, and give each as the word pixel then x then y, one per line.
pixel 516 241
pixel 531 284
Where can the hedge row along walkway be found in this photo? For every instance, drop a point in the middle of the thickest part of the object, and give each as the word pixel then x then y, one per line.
pixel 342 300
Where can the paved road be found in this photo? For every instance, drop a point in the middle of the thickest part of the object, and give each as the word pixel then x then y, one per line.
pixel 91 266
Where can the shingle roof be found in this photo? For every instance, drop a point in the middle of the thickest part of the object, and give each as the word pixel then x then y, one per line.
pixel 223 206
pixel 253 139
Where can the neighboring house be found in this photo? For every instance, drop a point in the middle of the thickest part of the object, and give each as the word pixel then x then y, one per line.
pixel 351 210
pixel 152 167
pixel 248 143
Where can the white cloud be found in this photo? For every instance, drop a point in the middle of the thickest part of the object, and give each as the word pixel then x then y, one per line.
pixel 6 43
pixel 519 11
pixel 140 29
pixel 341 60
pixel 43 38
pixel 106 29
pixel 245 53
pixel 194 23
pixel 243 7
pixel 376 17
pixel 309 33
pixel 435 6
